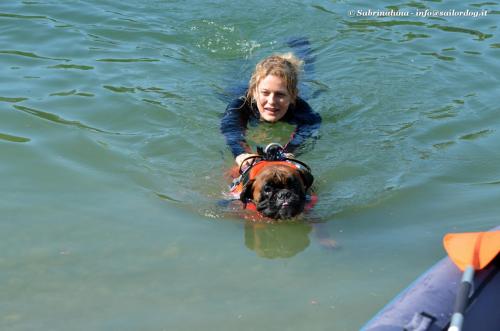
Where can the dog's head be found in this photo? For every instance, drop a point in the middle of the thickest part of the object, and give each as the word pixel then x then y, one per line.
pixel 278 191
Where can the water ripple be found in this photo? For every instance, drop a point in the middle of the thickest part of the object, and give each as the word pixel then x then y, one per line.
pixel 323 9
pixel 444 145
pixel 28 17
pixel 166 197
pixel 72 92
pixel 374 23
pixel 443 112
pixel 478 34
pixel 56 119
pixel 157 90
pixel 476 135
pixel 120 89
pixel 128 60
pixel 71 66
pixel 492 183
pixel 15 139
pixel 12 100
pixel 479 5
pixel 31 55
pixel 362 25
pixel 440 57
pixel 411 36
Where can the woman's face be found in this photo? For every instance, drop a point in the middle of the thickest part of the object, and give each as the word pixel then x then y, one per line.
pixel 272 98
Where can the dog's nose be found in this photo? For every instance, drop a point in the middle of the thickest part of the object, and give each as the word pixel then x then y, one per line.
pixel 284 195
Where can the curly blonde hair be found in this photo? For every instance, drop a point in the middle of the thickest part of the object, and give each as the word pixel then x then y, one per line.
pixel 286 66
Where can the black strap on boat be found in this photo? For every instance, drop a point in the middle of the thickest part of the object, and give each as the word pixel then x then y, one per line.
pixel 422 322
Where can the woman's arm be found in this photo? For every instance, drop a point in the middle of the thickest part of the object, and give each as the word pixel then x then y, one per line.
pixel 233 127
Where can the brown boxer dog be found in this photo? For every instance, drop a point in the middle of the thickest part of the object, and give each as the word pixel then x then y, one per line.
pixel 278 189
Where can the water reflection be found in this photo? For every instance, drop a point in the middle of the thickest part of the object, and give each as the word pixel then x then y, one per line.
pixel 285 239
pixel 273 241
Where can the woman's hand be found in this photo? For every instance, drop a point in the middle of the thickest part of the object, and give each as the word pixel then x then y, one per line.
pixel 241 158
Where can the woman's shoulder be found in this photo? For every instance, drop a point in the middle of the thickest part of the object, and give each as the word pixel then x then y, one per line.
pixel 303 113
pixel 302 107
pixel 301 104
pixel 238 103
pixel 239 108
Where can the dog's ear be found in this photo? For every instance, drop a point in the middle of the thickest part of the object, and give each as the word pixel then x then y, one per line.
pixel 307 177
pixel 247 193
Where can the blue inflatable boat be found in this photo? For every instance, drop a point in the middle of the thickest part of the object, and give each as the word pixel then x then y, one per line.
pixel 427 304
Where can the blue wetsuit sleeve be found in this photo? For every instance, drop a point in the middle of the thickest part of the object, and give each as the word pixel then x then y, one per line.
pixel 307 131
pixel 233 126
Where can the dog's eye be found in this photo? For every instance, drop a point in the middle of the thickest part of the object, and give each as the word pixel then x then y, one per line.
pixel 268 189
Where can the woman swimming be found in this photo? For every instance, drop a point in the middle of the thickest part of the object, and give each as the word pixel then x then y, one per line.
pixel 272 96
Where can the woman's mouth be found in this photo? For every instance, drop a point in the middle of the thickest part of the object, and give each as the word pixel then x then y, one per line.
pixel 272 110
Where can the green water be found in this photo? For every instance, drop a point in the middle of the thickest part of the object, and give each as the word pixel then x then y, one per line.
pixel 112 162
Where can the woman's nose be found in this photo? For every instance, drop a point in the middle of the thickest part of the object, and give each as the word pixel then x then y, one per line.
pixel 271 98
